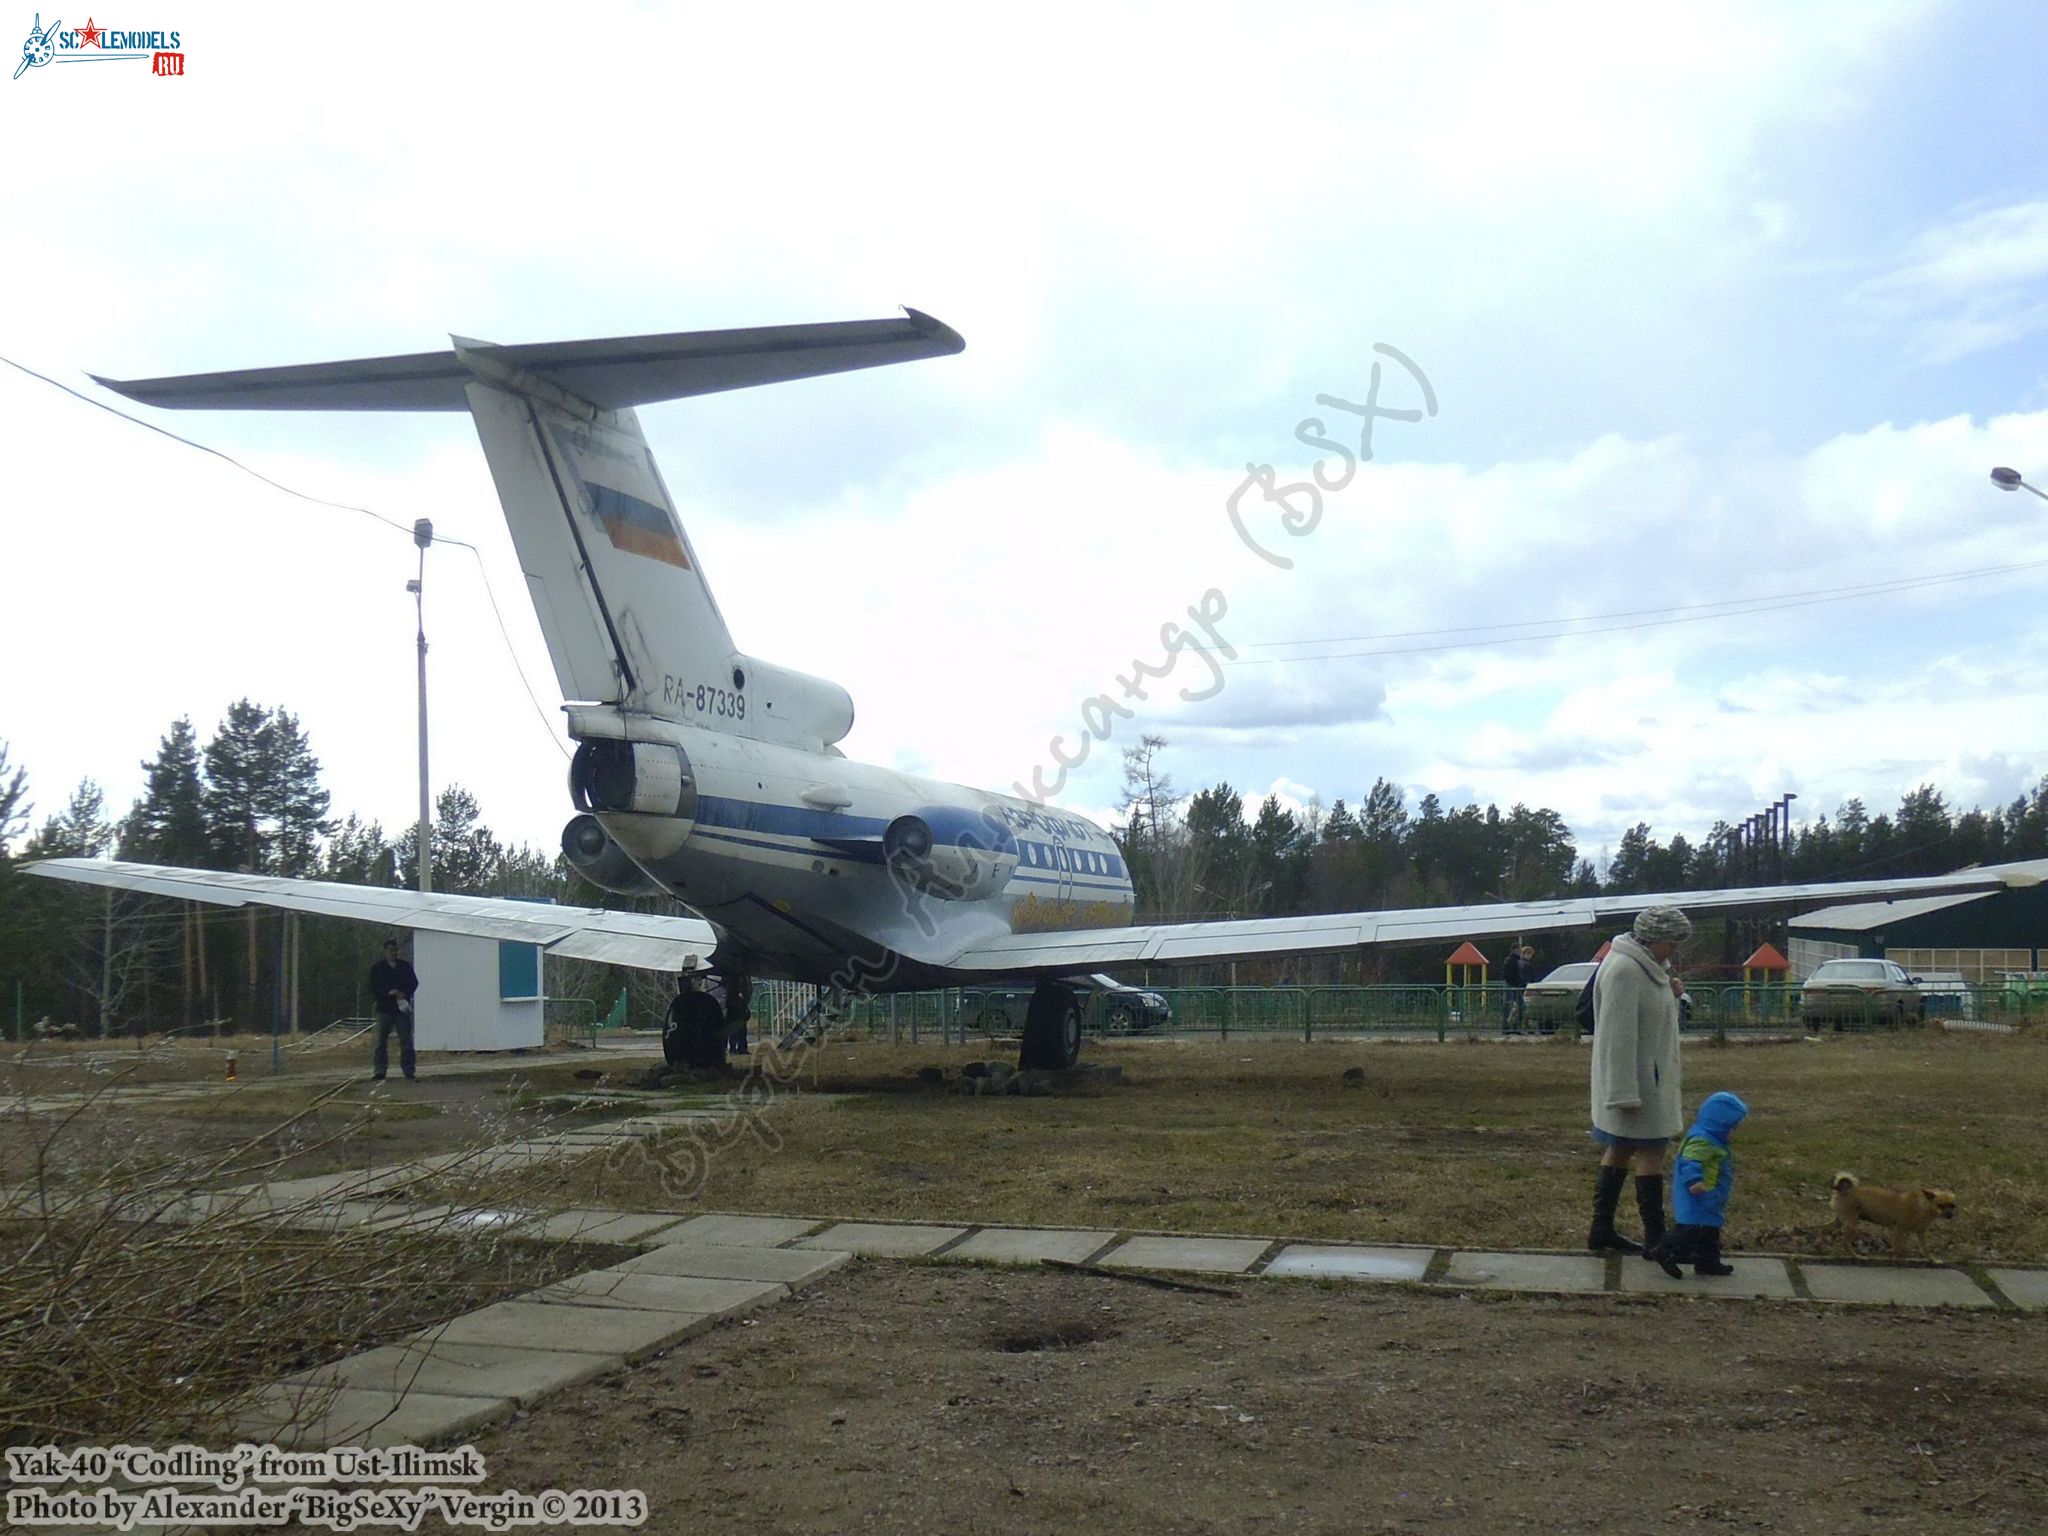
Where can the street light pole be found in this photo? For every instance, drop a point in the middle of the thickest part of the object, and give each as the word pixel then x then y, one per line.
pixel 423 535
pixel 2012 480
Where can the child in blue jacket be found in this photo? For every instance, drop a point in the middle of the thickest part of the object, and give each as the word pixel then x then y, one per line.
pixel 1700 1184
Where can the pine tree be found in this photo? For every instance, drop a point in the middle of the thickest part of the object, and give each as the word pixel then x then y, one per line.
pixel 17 915
pixel 1923 833
pixel 14 803
pixel 265 810
pixel 467 854
pixel 357 854
pixel 233 801
pixel 1279 853
pixel 168 824
pixel 1220 845
pixel 1629 870
pixel 89 936
pixel 294 804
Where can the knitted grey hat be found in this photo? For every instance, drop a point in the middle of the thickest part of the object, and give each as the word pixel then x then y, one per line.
pixel 1660 923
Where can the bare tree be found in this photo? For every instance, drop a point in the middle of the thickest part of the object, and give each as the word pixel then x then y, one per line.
pixel 1166 868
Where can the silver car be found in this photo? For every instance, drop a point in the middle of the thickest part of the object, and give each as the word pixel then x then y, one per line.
pixel 1552 1001
pixel 1845 992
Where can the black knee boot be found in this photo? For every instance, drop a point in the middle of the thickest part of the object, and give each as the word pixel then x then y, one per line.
pixel 1650 1206
pixel 1606 1196
pixel 1676 1248
pixel 1707 1261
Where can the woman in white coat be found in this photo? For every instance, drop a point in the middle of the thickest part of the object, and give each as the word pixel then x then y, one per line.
pixel 1637 1103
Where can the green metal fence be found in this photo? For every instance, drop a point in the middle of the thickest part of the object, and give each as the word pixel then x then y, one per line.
pixel 963 1016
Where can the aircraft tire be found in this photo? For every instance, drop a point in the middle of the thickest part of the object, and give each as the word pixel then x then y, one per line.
pixel 1052 1029
pixel 694 1035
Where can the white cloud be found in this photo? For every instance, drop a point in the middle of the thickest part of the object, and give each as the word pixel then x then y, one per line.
pixel 1967 285
pixel 1152 234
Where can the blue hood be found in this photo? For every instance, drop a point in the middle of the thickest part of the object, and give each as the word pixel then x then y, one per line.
pixel 1719 1116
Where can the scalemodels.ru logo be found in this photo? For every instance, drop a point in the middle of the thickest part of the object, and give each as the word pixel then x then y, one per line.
pixel 92 44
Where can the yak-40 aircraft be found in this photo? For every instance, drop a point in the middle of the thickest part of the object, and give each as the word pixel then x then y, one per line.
pixel 705 774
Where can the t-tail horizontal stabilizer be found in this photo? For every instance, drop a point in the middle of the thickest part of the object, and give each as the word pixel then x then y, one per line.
pixel 610 375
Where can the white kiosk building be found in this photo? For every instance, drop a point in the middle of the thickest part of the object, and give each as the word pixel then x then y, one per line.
pixel 476 994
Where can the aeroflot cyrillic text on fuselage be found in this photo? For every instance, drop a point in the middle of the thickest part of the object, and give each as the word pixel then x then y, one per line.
pixel 1051 823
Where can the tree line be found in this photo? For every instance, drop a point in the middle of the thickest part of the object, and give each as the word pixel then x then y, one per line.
pixel 252 799
pixel 1198 856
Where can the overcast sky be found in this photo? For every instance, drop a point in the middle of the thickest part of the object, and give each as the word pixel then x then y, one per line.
pixel 1728 305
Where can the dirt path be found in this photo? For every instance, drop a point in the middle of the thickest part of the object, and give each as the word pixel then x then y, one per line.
pixel 925 1398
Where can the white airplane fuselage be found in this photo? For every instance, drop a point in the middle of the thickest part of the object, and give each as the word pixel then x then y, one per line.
pixel 804 858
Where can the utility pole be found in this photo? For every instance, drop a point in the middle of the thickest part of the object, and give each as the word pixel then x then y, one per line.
pixel 423 535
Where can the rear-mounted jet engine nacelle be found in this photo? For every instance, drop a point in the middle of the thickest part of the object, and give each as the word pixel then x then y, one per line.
pixel 963 858
pixel 640 777
pixel 602 862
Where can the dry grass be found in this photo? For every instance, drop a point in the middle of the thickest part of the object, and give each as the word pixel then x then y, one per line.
pixel 118 1330
pixel 137 1294
pixel 1455 1145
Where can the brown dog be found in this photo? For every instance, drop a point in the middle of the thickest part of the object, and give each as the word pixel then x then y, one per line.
pixel 1903 1210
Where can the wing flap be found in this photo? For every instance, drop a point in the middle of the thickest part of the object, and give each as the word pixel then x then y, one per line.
pixel 585 933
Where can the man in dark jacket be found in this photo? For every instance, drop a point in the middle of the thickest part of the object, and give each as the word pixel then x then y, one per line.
pixel 393 982
pixel 1518 971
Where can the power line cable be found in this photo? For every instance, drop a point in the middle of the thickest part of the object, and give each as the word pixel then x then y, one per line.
pixel 1563 631
pixel 476 554
pixel 1861 589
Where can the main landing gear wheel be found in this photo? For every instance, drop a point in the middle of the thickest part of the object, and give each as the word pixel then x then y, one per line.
pixel 694 1035
pixel 1052 1029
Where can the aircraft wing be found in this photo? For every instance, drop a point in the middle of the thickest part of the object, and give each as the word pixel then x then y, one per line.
pixel 1248 938
pixel 579 933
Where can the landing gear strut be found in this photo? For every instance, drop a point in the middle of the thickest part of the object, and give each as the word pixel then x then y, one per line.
pixel 694 1033
pixel 1052 1029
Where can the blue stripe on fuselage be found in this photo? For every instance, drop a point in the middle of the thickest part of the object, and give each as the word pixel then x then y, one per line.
pixel 1038 861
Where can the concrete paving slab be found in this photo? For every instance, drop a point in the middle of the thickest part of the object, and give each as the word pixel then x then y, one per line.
pixel 883 1239
pixel 350 1215
pixel 204 1207
pixel 321 1186
pixel 407 1217
pixel 1899 1286
pixel 704 1261
pixel 303 1418
pixel 2026 1287
pixel 1204 1255
pixel 1023 1245
pixel 1351 1263
pixel 660 1293
pixel 1753 1277
pixel 630 1333
pixel 532 1150
pixel 487 1219
pixel 593 1226
pixel 1529 1271
pixel 741 1231
pixel 449 1369
pixel 587 1140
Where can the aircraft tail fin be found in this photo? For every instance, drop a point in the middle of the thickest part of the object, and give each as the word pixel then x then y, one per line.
pixel 621 596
